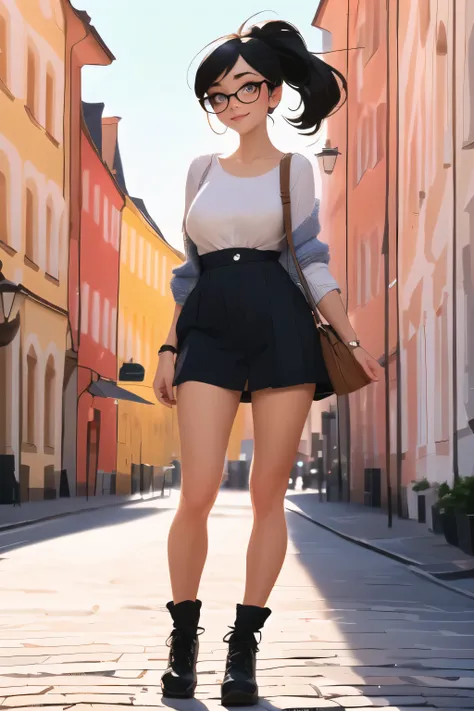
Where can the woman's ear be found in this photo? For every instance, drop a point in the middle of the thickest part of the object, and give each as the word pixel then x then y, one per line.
pixel 274 97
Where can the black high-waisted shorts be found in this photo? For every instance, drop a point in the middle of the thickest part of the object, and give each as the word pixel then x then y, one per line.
pixel 247 326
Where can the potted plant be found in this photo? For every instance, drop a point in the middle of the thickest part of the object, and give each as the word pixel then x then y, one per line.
pixel 412 500
pixel 420 488
pixel 464 489
pixel 436 522
pixel 447 509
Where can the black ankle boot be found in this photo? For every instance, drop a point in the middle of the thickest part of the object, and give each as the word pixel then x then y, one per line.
pixel 180 678
pixel 239 687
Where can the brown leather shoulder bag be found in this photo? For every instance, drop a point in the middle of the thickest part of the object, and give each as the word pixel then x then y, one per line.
pixel 346 374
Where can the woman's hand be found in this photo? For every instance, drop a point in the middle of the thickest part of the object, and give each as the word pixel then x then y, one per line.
pixel 163 382
pixel 371 367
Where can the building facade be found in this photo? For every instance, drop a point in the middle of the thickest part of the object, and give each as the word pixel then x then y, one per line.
pixel 99 246
pixel 407 168
pixel 146 435
pixel 84 46
pixel 34 237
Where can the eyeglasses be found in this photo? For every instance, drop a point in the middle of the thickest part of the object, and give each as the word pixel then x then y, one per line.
pixel 247 94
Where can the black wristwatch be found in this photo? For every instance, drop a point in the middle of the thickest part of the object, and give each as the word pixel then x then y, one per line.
pixel 167 347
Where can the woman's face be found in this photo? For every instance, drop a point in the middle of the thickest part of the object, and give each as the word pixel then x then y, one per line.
pixel 243 117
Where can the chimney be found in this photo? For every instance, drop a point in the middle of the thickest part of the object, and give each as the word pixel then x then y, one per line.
pixel 109 141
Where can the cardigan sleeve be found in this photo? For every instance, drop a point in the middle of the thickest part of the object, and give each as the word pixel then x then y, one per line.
pixel 312 254
pixel 185 276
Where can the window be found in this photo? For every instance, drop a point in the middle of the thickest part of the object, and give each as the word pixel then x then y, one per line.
pixel 85 308
pixel 148 264
pixel 3 207
pixel 49 238
pixel 97 204
pixel 441 414
pixel 31 82
pixel 106 219
pixel 145 343
pixel 113 331
pixel 156 275
pixel 469 88
pixel 442 39
pixel 141 256
pixel 381 130
pixel 133 249
pixel 129 341
pixel 95 331
pixel 86 190
pixel 49 409
pixel 31 374
pixel 3 50
pixel 421 387
pixel 105 324
pixel 29 223
pixel 115 227
pixel 50 100
pixel 124 244
pixel 424 19
pixel 163 275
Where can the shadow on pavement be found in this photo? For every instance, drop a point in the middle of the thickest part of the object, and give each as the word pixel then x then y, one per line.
pixel 76 522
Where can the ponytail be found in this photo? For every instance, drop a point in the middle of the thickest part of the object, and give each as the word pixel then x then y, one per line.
pixel 278 51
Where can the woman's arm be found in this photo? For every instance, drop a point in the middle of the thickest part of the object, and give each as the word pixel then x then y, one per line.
pixel 171 337
pixel 332 309
pixel 313 257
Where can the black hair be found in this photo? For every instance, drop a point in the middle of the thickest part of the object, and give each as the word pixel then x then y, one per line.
pixel 278 52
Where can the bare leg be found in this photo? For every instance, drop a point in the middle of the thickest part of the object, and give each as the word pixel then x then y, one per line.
pixel 279 416
pixel 205 417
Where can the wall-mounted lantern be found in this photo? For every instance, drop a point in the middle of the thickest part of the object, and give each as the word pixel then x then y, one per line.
pixel 131 372
pixel 328 157
pixel 11 299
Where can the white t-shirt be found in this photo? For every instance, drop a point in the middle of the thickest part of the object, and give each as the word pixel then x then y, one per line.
pixel 232 211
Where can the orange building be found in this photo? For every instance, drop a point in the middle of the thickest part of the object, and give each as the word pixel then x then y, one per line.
pixel 402 196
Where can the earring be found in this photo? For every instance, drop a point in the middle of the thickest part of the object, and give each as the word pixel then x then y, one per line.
pixel 216 132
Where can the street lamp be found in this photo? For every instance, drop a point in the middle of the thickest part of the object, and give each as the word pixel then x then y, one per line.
pixel 11 299
pixel 328 157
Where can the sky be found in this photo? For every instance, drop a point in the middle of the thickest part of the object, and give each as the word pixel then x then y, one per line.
pixel 162 126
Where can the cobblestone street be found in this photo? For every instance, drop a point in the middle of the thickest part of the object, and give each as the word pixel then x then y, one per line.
pixel 83 619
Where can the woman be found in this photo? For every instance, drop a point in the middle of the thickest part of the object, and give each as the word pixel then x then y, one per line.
pixel 243 331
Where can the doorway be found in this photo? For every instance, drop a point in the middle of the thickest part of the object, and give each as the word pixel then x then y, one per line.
pixel 93 438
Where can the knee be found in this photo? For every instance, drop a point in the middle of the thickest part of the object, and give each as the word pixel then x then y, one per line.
pixel 267 498
pixel 197 504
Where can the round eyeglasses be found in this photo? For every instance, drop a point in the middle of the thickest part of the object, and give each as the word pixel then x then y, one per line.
pixel 247 94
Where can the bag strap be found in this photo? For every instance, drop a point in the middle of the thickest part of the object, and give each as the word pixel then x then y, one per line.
pixel 286 200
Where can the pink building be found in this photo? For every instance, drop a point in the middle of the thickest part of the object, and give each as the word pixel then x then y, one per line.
pixel 405 206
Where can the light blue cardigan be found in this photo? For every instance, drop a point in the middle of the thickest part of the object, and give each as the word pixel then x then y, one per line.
pixel 312 256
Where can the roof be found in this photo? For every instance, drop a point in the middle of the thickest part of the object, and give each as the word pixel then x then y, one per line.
pixel 93 117
pixel 86 20
pixel 319 12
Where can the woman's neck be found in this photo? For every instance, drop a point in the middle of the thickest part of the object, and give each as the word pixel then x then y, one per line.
pixel 255 146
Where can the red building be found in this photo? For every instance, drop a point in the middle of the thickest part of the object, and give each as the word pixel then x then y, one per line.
pixel 353 212
pixel 102 203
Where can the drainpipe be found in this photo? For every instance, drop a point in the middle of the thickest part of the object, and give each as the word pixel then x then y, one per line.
pixel 386 253
pixel 455 348
pixel 398 354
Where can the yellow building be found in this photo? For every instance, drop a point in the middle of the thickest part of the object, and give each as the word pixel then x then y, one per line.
pixel 146 434
pixel 33 237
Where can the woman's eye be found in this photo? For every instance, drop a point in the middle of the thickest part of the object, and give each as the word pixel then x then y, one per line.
pixel 217 98
pixel 249 88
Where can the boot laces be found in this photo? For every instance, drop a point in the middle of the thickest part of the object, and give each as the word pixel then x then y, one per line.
pixel 181 643
pixel 240 641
